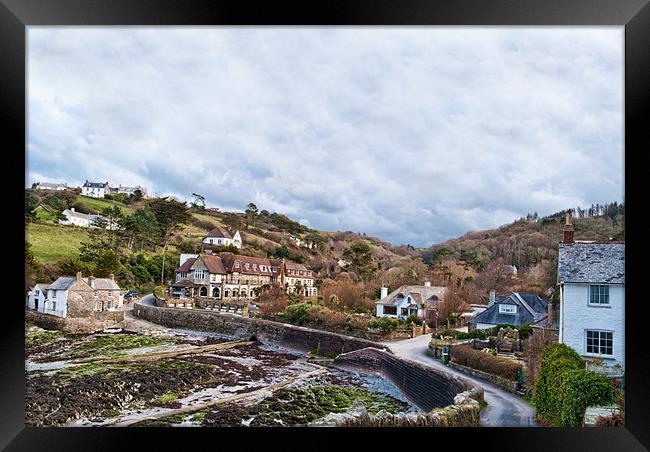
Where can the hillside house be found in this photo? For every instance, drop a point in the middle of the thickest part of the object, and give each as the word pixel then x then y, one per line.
pixel 128 190
pixel 407 300
pixel 71 296
pixel 221 237
pixel 514 308
pixel 83 220
pixel 49 186
pixel 591 277
pixel 232 276
pixel 94 189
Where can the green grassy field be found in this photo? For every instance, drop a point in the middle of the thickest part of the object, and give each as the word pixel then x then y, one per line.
pixel 99 204
pixel 44 215
pixel 51 243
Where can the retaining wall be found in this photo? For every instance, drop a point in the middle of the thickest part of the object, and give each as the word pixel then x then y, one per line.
pixel 426 387
pixel 95 322
pixel 465 412
pixel 292 336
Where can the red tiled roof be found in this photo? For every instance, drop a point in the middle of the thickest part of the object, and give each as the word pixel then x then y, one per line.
pixel 214 263
pixel 218 232
pixel 183 283
pixel 186 265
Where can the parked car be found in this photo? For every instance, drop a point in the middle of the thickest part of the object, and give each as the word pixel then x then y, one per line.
pixel 130 294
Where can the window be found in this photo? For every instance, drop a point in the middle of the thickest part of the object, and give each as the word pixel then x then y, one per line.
pixel 391 310
pixel 53 305
pixel 599 295
pixel 405 311
pixel 599 342
pixel 507 309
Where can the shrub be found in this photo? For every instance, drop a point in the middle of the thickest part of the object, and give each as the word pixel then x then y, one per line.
pixel 565 388
pixel 615 420
pixel 385 324
pixel 525 331
pixel 495 365
pixel 413 318
pixel 298 313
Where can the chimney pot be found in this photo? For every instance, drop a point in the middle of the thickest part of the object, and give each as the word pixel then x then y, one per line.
pixel 567 238
pixel 112 276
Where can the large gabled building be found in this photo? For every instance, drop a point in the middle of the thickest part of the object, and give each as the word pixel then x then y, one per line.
pixel 422 301
pixel 233 276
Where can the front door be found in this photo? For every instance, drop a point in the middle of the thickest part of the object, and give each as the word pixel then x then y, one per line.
pixel 36 303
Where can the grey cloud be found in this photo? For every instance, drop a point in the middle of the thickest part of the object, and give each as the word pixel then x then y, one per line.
pixel 412 134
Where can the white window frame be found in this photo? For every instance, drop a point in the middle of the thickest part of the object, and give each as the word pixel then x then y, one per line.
pixel 602 295
pixel 508 311
pixel 606 355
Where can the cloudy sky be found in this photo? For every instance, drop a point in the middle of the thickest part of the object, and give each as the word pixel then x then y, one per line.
pixel 414 134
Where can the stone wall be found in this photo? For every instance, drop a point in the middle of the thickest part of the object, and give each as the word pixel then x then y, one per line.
pixel 305 339
pixel 426 387
pixel 508 385
pixel 465 412
pixel 94 322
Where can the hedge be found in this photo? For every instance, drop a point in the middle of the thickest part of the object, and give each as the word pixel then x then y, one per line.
pixel 476 359
pixel 565 388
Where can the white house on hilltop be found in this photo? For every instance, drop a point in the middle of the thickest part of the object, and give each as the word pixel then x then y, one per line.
pixel 49 186
pixel 592 297
pixel 222 237
pixel 94 189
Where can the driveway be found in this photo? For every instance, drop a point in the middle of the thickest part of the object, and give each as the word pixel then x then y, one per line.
pixel 504 409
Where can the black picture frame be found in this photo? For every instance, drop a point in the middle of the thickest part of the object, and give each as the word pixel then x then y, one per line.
pixel 634 15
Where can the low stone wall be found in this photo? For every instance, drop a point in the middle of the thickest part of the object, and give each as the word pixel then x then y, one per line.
pixel 97 321
pixel 465 412
pixel 508 385
pixel 305 339
pixel 426 387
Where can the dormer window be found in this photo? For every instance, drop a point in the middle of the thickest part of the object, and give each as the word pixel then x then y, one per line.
pixel 507 309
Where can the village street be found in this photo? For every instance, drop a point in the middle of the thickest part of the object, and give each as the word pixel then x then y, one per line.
pixel 504 409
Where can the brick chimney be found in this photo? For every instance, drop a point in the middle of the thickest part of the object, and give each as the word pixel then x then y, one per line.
pixel 78 276
pixel 91 281
pixel 112 276
pixel 568 230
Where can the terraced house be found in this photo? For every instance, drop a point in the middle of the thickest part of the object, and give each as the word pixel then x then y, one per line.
pixel 591 276
pixel 231 276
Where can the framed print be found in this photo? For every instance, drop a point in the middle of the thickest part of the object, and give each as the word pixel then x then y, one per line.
pixel 359 215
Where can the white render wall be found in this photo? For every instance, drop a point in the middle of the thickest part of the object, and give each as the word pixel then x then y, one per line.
pixel 576 316
pixel 61 303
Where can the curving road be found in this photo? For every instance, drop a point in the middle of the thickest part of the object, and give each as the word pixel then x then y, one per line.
pixel 504 409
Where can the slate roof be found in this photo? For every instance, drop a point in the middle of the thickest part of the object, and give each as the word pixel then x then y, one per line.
pixel 218 232
pixel 592 263
pixel 95 184
pixel 64 283
pixel 422 294
pixel 531 309
pixel 69 213
pixel 105 284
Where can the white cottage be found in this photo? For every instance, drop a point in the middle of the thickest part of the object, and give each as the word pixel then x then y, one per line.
pixel 591 277
pixel 37 296
pixel 410 300
pixel 222 237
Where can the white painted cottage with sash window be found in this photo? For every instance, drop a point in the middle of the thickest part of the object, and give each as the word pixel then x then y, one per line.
pixel 591 277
